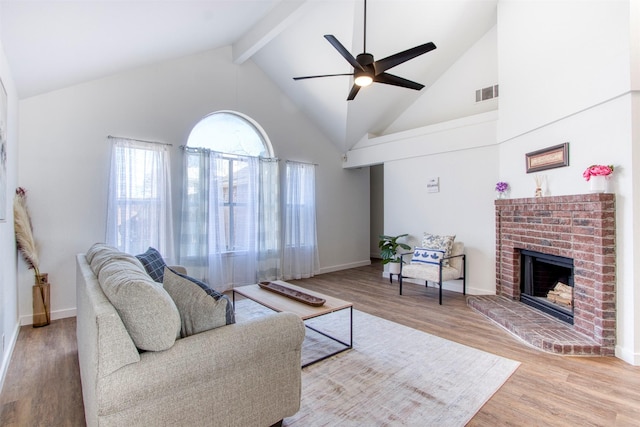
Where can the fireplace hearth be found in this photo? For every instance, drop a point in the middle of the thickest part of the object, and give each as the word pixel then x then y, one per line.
pixel 579 227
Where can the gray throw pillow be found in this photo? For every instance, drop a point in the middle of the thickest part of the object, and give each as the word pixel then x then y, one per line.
pixel 201 308
pixel 146 309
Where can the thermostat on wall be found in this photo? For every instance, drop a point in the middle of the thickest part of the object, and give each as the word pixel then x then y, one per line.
pixel 433 185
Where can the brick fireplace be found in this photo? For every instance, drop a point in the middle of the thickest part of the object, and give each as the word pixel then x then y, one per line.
pixel 581 227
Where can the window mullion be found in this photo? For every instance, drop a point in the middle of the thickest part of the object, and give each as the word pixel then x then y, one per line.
pixel 232 239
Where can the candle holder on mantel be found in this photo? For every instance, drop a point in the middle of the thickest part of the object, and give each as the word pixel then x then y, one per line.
pixel 539 180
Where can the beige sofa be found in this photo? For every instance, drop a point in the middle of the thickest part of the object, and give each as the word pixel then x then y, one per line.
pixel 242 374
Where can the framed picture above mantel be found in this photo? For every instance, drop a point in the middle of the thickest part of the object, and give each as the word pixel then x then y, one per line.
pixel 548 158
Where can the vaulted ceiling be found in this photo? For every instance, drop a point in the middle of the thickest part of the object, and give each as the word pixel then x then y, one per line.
pixel 53 44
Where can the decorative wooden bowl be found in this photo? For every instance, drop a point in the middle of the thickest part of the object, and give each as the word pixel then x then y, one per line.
pixel 292 293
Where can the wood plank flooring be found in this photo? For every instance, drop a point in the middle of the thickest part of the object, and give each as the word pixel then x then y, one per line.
pixel 43 383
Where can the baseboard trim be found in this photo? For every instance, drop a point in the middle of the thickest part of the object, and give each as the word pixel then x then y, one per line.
pixel 340 267
pixel 452 285
pixel 628 356
pixel 6 359
pixel 55 315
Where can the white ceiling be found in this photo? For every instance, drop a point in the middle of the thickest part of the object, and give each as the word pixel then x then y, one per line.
pixel 51 44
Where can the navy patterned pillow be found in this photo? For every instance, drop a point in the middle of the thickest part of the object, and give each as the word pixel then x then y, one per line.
pixel 427 256
pixel 442 243
pixel 153 263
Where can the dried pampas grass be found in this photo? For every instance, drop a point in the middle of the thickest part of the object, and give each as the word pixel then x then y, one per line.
pixel 24 230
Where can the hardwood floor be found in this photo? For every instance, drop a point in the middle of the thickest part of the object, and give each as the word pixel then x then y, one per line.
pixel 43 383
pixel 42 387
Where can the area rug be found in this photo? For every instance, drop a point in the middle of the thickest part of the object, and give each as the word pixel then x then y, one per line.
pixel 394 375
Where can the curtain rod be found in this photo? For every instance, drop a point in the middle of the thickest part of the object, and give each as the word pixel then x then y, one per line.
pixel 140 140
pixel 267 159
pixel 197 149
pixel 302 163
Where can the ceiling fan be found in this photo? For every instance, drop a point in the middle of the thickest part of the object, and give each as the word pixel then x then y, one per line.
pixel 367 71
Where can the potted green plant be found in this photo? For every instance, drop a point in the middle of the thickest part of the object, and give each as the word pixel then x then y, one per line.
pixel 389 251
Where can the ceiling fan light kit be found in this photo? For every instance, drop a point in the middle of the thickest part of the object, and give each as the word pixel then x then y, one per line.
pixel 363 79
pixel 367 71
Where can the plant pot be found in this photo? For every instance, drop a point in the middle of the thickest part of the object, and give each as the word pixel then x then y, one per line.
pixel 598 184
pixel 41 297
pixel 394 268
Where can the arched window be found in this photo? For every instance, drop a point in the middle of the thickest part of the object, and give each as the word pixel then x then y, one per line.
pixel 230 207
pixel 230 132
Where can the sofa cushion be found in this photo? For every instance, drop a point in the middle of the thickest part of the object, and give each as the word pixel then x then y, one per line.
pixel 153 264
pixel 146 309
pixel 436 242
pixel 201 308
pixel 427 256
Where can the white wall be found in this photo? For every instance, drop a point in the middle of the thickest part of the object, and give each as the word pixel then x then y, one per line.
pixel 453 95
pixel 572 83
pixel 463 155
pixel 557 58
pixel 463 207
pixel 64 157
pixel 376 174
pixel 9 325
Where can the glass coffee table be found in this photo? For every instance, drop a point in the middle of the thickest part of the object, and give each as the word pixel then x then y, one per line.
pixel 281 303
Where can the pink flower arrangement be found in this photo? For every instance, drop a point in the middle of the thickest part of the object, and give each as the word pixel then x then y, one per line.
pixel 597 170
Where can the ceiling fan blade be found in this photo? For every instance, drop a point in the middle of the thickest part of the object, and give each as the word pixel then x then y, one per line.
pixel 343 51
pixel 354 91
pixel 322 75
pixel 390 79
pixel 384 64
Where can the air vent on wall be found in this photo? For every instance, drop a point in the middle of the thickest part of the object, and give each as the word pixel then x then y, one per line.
pixel 486 93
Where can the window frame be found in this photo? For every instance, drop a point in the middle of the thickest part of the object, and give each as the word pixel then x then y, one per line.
pixel 249 121
pixel 229 202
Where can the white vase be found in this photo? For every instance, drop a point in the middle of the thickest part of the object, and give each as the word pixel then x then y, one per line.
pixel 598 184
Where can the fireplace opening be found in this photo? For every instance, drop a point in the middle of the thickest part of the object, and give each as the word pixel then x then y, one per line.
pixel 547 284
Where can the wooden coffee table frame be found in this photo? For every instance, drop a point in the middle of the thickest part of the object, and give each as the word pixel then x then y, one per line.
pixel 280 303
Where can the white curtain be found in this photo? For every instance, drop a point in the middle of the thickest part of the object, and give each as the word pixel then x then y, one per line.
pixel 269 221
pixel 239 263
pixel 228 204
pixel 139 201
pixel 194 230
pixel 300 252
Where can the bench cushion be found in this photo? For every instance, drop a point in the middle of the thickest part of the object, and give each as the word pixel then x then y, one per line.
pixel 429 272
